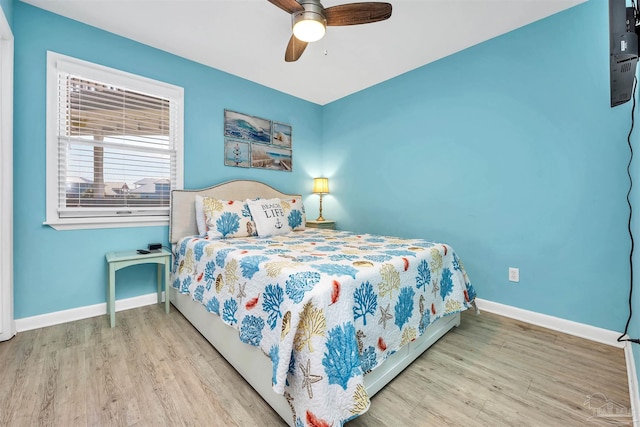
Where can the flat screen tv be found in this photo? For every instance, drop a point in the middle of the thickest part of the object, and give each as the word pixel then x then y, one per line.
pixel 623 50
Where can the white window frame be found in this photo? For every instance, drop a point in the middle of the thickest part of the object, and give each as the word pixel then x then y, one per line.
pixel 57 63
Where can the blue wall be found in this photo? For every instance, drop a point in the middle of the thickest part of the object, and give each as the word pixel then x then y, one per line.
pixel 57 270
pixel 7 9
pixel 510 152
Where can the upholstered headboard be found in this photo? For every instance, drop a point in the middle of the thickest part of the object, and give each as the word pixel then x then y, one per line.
pixel 183 211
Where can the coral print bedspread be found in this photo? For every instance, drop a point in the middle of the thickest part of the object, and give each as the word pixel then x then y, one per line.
pixel 326 306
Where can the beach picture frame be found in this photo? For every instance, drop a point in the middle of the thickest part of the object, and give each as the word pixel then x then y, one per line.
pixel 281 134
pixel 247 128
pixel 237 153
pixel 271 157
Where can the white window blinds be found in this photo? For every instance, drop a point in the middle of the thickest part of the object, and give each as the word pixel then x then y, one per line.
pixel 117 146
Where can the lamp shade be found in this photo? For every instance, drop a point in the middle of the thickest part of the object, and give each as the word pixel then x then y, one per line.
pixel 321 185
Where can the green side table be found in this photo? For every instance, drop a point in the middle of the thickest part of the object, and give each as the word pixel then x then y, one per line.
pixel 326 224
pixel 118 260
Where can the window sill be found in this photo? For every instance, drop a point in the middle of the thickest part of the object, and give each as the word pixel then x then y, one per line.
pixel 95 223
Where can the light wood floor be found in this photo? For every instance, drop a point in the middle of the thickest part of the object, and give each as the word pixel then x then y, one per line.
pixel 155 369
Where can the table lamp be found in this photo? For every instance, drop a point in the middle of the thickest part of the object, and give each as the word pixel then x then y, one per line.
pixel 320 186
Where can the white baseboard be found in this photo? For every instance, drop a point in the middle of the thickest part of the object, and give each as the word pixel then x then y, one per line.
pixel 64 316
pixel 634 396
pixel 593 333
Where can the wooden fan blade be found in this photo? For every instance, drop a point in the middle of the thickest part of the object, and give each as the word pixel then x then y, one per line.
pixel 288 6
pixel 357 13
pixel 294 49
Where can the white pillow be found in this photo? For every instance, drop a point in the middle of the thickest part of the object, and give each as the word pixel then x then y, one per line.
pixel 269 216
pixel 200 219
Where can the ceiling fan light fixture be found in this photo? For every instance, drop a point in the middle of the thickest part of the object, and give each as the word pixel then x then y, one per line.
pixel 309 20
pixel 309 26
pixel 309 30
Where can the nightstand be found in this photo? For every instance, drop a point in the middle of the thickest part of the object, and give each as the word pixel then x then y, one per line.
pixel 326 224
pixel 118 260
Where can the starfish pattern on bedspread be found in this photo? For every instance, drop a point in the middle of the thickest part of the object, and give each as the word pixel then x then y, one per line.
pixel 384 316
pixel 308 378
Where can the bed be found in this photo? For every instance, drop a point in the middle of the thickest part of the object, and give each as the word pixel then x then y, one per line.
pixel 317 321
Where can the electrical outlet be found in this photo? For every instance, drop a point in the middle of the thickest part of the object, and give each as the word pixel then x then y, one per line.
pixel 514 274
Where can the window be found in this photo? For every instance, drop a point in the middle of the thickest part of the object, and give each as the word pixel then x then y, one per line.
pixel 114 146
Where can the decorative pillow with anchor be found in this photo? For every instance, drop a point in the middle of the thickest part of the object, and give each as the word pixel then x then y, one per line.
pixel 269 216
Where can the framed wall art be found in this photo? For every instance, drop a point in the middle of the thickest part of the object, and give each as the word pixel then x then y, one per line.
pixel 237 153
pixel 254 142
pixel 281 135
pixel 271 157
pixel 245 127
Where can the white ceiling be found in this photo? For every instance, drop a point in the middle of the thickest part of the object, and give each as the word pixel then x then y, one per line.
pixel 248 37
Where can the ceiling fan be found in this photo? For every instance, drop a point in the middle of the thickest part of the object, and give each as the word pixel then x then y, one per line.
pixel 310 19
